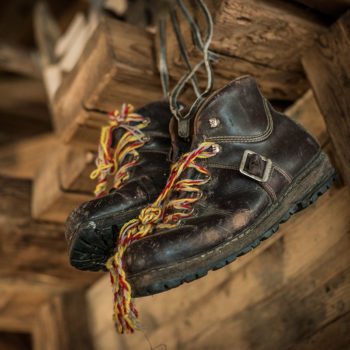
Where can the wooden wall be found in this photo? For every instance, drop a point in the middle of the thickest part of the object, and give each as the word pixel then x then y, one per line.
pixel 292 293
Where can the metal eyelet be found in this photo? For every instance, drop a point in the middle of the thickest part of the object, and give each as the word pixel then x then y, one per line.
pixel 146 139
pixel 216 148
pixel 214 122
pixel 147 121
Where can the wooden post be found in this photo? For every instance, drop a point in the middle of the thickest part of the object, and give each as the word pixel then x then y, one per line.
pixel 62 324
pixel 23 158
pixel 327 67
pixel 62 183
pixel 116 66
pixel 306 112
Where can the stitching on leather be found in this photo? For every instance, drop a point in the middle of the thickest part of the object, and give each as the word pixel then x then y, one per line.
pixel 270 191
pixel 222 166
pixel 284 173
pixel 313 165
pixel 249 139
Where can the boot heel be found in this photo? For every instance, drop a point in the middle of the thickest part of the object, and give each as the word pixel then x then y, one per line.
pixel 315 181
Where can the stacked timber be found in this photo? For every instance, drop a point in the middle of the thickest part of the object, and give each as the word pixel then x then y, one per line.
pixel 292 293
pixel 116 66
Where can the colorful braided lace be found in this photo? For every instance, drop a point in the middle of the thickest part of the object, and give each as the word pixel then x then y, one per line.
pixel 117 159
pixel 160 214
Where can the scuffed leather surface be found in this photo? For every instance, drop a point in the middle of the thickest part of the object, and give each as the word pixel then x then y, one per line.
pixel 232 201
pixel 95 223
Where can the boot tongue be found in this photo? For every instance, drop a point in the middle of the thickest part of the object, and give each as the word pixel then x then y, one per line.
pixel 236 110
pixel 179 145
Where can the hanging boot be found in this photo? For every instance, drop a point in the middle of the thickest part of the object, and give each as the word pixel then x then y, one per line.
pixel 135 150
pixel 249 168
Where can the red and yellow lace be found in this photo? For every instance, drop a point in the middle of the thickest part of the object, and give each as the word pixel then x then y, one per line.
pixel 116 160
pixel 159 214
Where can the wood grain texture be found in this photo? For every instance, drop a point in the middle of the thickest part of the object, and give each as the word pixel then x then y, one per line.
pixel 272 33
pixel 116 66
pixel 334 336
pixel 18 308
pixel 19 61
pixel 327 67
pixel 61 324
pixel 23 109
pixel 306 112
pixel 23 158
pixel 299 284
pixel 51 200
pixel 29 247
pixel 265 39
pixel 75 169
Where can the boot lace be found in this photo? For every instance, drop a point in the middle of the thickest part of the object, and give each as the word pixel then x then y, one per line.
pixel 116 160
pixel 159 214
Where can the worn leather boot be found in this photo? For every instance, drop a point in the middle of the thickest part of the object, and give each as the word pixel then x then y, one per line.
pixel 143 167
pixel 250 168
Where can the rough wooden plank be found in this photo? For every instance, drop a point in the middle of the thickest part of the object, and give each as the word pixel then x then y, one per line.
pixel 272 33
pixel 53 201
pixel 293 254
pixel 23 158
pixel 299 309
pixel 75 169
pixel 62 324
pixel 19 61
pixel 23 108
pixel 327 67
pixel 18 308
pixel 29 247
pixel 116 66
pixel 306 112
pixel 266 39
pixel 334 336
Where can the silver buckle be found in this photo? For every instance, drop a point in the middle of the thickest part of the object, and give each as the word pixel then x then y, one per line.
pixel 267 170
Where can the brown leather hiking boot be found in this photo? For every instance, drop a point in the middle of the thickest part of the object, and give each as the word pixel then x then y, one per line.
pixel 250 168
pixel 140 174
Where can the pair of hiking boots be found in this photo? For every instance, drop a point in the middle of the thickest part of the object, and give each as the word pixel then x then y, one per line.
pixel 248 169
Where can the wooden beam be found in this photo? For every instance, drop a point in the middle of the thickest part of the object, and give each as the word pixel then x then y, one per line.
pixel 18 308
pixel 334 336
pixel 327 68
pixel 22 159
pixel 29 247
pixel 116 66
pixel 62 323
pixel 19 61
pixel 265 39
pixel 22 93
pixel 284 285
pixel 62 184
pixel 306 112
pixel 75 169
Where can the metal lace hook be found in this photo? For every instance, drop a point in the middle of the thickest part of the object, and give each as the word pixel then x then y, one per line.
pixel 190 75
